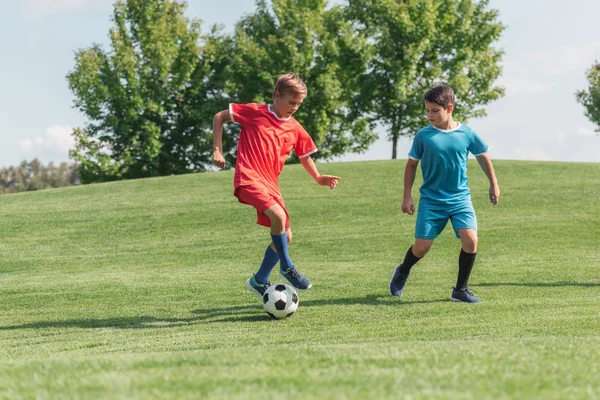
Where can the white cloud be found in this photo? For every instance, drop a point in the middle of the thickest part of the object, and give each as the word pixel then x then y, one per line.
pixel 561 135
pixel 519 86
pixel 567 60
pixel 585 132
pixel 521 79
pixel 543 72
pixel 30 145
pixel 59 138
pixel 55 144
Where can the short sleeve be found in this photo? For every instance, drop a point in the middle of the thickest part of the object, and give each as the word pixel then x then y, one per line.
pixel 304 145
pixel 477 146
pixel 416 151
pixel 242 113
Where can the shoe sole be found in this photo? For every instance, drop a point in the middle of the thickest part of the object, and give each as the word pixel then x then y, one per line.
pixel 252 289
pixel 395 295
pixel 283 276
pixel 462 301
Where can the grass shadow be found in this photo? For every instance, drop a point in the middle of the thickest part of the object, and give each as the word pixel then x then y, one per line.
pixel 228 314
pixel 370 300
pixel 241 313
pixel 538 284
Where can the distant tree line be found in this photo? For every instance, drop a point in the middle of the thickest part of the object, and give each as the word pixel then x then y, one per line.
pixel 34 175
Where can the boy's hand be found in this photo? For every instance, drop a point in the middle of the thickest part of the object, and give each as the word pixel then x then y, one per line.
pixel 494 194
pixel 408 206
pixel 218 159
pixel 328 180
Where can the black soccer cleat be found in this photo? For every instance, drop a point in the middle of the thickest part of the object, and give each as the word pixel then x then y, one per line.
pixel 398 282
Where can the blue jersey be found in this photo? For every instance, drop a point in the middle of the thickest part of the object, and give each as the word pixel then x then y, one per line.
pixel 443 155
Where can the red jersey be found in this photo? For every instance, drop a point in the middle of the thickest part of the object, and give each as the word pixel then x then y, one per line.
pixel 265 142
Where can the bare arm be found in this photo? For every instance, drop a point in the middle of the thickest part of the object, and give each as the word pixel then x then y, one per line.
pixel 410 172
pixel 218 121
pixel 323 180
pixel 488 169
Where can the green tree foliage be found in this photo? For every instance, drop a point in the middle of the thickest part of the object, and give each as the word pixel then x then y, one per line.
pixel 33 175
pixel 590 99
pixel 140 121
pixel 414 44
pixel 314 41
pixel 150 98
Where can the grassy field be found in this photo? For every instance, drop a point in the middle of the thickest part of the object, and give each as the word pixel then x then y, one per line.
pixel 135 290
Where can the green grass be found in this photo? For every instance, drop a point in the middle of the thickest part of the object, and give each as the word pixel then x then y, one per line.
pixel 135 290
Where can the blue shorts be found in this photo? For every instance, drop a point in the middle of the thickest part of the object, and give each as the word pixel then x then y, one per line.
pixel 431 222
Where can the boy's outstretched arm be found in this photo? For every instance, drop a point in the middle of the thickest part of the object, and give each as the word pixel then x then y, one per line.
pixel 410 172
pixel 218 121
pixel 486 165
pixel 323 180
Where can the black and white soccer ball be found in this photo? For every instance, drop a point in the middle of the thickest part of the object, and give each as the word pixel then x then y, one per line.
pixel 280 300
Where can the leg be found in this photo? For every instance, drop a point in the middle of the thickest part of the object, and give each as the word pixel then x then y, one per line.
pixel 466 260
pixel 422 247
pixel 464 222
pixel 278 218
pixel 400 276
pixel 288 233
pixel 430 224
pixel 414 254
pixel 469 240
pixel 270 260
pixel 281 237
pixel 274 217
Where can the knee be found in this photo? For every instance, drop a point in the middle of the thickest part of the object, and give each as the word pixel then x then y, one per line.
pixel 420 249
pixel 278 217
pixel 469 244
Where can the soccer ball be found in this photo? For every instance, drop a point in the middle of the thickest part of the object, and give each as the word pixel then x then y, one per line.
pixel 280 300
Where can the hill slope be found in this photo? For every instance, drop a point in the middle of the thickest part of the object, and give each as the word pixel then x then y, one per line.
pixel 136 290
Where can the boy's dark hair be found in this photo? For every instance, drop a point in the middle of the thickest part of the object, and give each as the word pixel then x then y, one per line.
pixel 440 94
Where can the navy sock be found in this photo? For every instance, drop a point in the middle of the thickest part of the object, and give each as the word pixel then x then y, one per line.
pixel 465 266
pixel 409 260
pixel 269 262
pixel 281 245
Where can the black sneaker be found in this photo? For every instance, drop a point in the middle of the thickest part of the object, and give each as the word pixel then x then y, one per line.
pixel 398 281
pixel 464 295
pixel 296 279
pixel 257 288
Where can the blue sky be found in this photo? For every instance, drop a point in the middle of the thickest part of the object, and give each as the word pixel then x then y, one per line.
pixel 548 44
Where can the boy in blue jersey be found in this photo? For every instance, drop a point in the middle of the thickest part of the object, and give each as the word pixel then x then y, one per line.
pixel 443 149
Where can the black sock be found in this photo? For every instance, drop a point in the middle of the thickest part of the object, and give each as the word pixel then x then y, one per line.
pixel 465 266
pixel 409 260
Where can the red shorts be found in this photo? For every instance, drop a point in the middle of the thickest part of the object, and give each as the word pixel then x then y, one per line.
pixel 260 199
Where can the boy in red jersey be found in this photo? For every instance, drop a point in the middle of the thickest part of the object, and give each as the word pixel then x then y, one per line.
pixel 269 133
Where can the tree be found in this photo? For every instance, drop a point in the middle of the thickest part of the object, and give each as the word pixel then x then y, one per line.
pixel 417 43
pixel 590 99
pixel 33 175
pixel 305 37
pixel 136 96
